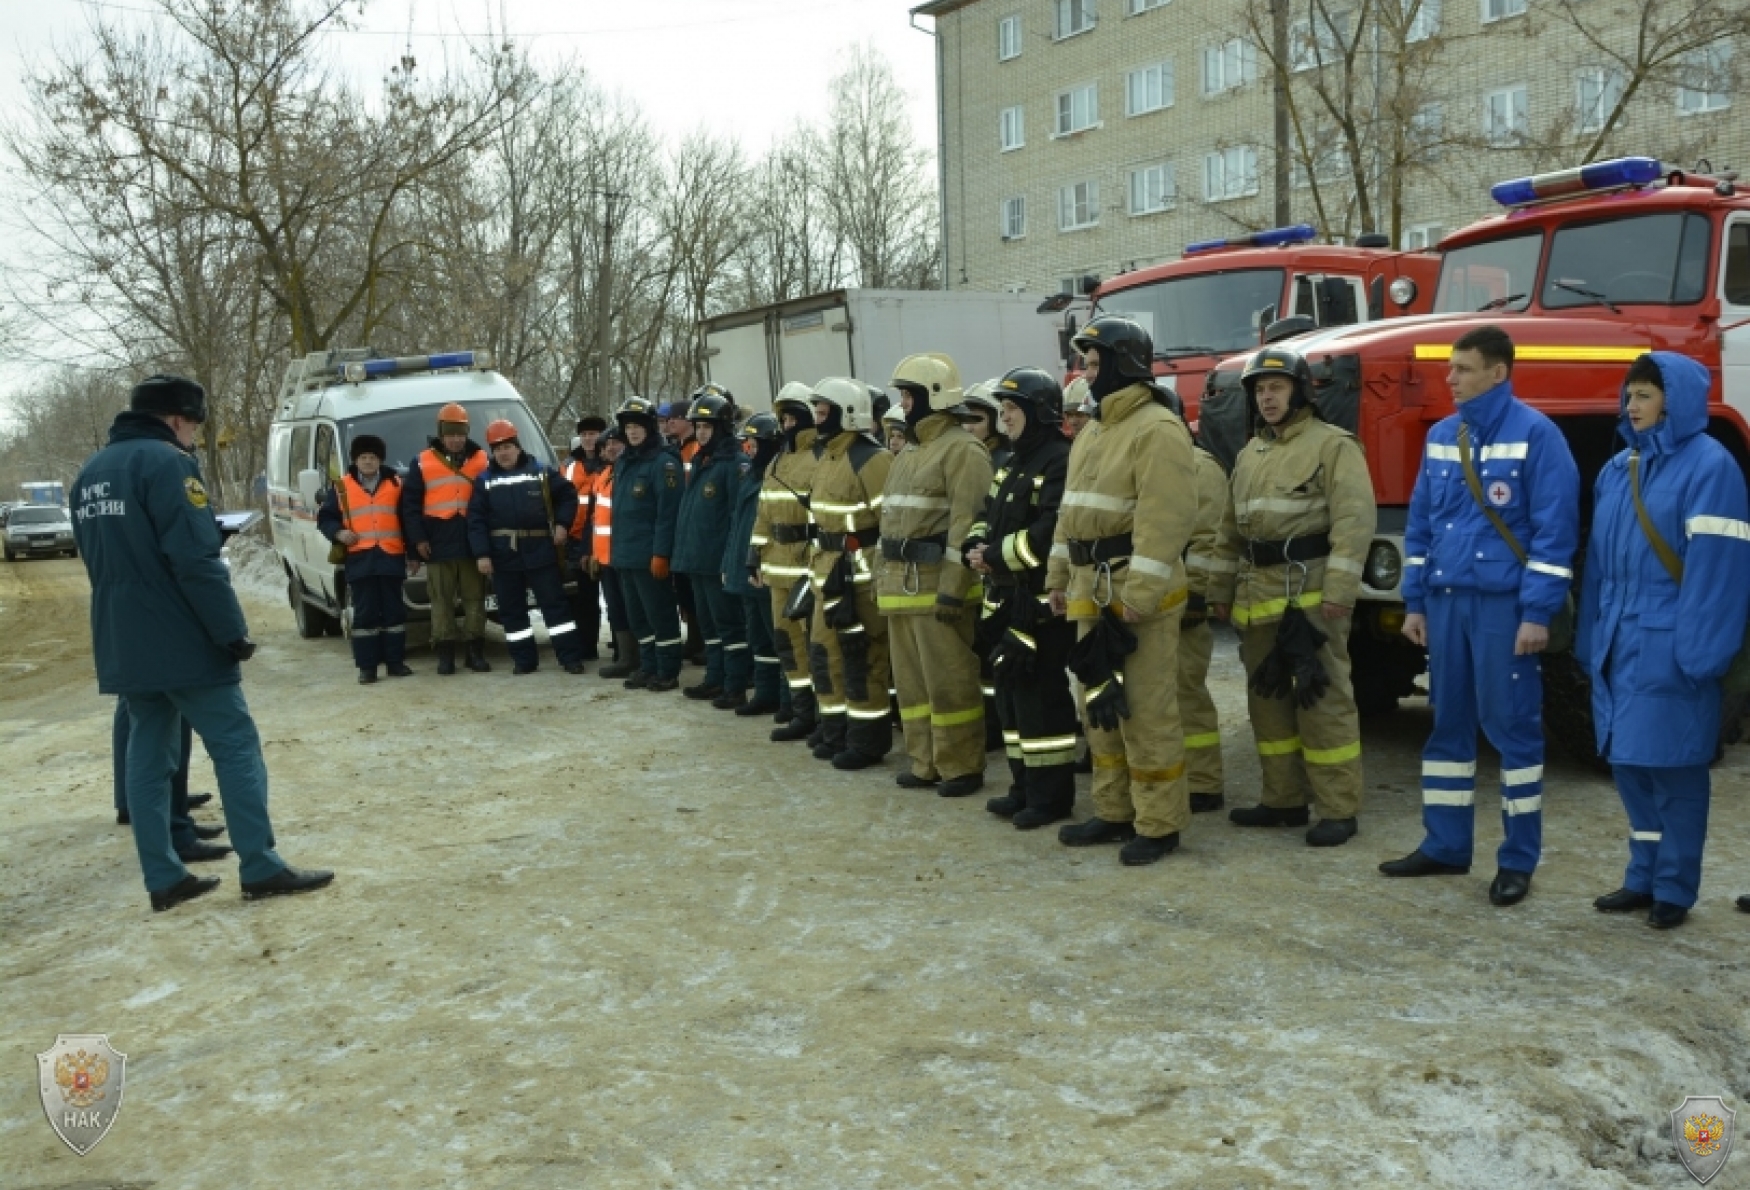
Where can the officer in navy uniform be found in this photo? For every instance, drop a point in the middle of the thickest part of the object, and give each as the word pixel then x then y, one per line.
pixel 519 518
pixel 647 498
pixel 169 635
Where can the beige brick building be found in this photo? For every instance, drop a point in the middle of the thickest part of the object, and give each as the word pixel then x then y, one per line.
pixel 1094 136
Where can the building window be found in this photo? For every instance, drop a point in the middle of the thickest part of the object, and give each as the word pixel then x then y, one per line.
pixel 1598 90
pixel 1230 173
pixel 1229 65
pixel 1013 128
pixel 1506 117
pixel 1421 19
pixel 1152 189
pixel 1078 110
pixel 1710 69
pixel 1149 89
pixel 1014 218
pixel 1317 43
pixel 1074 16
pixel 1009 38
pixel 1428 131
pixel 1421 235
pixel 1495 10
pixel 1078 206
pixel 1141 6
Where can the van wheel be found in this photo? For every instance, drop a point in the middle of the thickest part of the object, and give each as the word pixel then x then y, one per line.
pixel 312 621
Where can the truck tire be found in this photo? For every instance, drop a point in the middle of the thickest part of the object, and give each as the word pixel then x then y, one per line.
pixel 312 621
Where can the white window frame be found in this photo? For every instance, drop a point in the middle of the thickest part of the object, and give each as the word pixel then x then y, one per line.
pixel 1429 121
pixel 1091 110
pixel 1501 10
pixel 1078 205
pixel 1064 14
pixel 1012 219
pixel 1222 165
pixel 1518 116
pixel 1307 50
pixel 1597 91
pixel 1012 129
pixel 1135 8
pixel 1421 235
pixel 1162 186
pixel 1426 22
pixel 1710 60
pixel 1162 80
pixel 1228 66
pixel 1009 38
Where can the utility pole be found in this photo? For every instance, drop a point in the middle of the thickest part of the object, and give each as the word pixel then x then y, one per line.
pixel 604 291
pixel 1279 54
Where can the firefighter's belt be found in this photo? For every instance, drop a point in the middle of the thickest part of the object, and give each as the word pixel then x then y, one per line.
pixel 833 543
pixel 922 550
pixel 515 534
pixel 1295 549
pixel 791 534
pixel 1102 550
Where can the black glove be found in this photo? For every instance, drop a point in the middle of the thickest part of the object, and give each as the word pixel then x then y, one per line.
pixel 841 613
pixel 948 613
pixel 1292 666
pixel 1014 658
pixel 1107 704
pixel 242 648
pixel 1101 653
pixel 1310 681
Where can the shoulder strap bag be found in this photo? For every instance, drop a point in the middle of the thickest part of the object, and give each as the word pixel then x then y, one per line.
pixel 1561 625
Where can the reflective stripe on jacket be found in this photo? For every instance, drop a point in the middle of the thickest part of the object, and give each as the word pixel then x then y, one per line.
pixel 788 481
pixel 374 516
pixel 936 489
pixel 601 515
pixel 447 488
pixel 1213 503
pixel 849 475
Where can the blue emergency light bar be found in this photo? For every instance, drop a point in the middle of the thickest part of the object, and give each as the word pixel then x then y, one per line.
pixel 372 369
pixel 1586 179
pixel 1276 237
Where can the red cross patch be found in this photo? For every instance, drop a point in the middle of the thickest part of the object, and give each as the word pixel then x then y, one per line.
pixel 1500 494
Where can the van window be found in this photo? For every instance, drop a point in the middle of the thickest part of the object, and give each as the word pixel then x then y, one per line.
pixel 1738 265
pixel 300 452
pixel 327 458
pixel 279 440
pixel 406 431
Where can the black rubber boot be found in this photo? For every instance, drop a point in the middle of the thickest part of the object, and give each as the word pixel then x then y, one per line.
pixel 1268 816
pixel 1009 805
pixel 1095 831
pixel 1332 832
pixel 1144 850
pixel 446 655
pixel 1034 817
pixel 1207 803
pixel 626 664
pixel 477 657
pixel 796 729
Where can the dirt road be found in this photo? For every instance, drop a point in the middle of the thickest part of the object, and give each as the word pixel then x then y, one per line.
pixel 584 937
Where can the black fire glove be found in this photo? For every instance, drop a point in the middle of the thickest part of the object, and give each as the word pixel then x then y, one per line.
pixel 242 648
pixel 1015 657
pixel 1107 704
pixel 948 613
pixel 841 613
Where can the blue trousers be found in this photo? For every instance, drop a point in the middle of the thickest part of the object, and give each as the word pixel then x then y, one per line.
pixel 181 819
pixel 1667 822
pixel 221 717
pixel 1475 680
pixel 512 587
pixel 720 617
pixel 656 621
pixel 379 620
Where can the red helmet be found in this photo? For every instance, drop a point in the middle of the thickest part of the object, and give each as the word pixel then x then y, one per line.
pixel 453 413
pixel 500 431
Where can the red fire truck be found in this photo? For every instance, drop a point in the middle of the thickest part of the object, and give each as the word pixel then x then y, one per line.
pixel 1586 269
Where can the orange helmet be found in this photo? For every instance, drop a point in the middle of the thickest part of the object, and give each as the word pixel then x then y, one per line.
pixel 453 413
pixel 500 431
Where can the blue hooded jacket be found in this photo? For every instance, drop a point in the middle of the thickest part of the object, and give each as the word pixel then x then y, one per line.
pixel 1655 650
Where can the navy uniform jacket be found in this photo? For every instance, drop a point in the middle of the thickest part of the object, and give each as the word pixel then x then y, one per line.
pixel 647 495
pixel 162 607
pixel 374 562
pixel 512 500
pixel 737 563
pixel 707 508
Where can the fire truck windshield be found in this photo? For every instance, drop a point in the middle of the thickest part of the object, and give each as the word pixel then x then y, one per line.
pixel 1489 275
pixel 1654 259
pixel 1215 312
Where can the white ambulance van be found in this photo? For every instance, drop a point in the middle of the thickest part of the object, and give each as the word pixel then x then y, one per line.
pixel 327 398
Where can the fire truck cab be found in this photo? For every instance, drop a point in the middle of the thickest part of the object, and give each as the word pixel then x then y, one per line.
pixel 1586 269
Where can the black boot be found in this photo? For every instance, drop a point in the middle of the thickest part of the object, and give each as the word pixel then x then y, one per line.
pixel 367 676
pixel 796 729
pixel 1096 830
pixel 1206 803
pixel 477 657
pixel 638 681
pixel 1009 805
pixel 730 700
pixel 1268 816
pixel 626 663
pixel 1146 849
pixel 1332 832
pixel 1034 817
pixel 446 655
pixel 757 706
pixel 703 692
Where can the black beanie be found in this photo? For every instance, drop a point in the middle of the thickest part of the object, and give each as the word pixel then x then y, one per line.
pixel 366 443
pixel 170 396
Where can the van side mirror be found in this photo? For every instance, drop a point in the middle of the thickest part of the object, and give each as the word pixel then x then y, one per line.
pixel 1286 328
pixel 1264 317
pixel 310 486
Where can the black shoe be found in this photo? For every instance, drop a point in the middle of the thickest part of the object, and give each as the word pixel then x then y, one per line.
pixel 783 717
pixel 446 655
pixel 1146 849
pixel 477 657
pixel 186 889
pixel 1743 903
pixel 1096 830
pixel 796 729
pixel 1509 887
pixel 520 670
pixel 1332 832
pixel 758 706
pixel 207 832
pixel 662 685
pixel 702 692
pixel 122 819
pixel 730 701
pixel 202 853
pixel 965 786
pixel 1207 803
pixel 1417 864
pixel 910 780
pixel 368 676
pixel 400 670
pixel 1009 805
pixel 1623 900
pixel 288 881
pixel 851 760
pixel 576 667
pixel 1666 916
pixel 198 799
pixel 824 751
pixel 1269 816
pixel 638 681
pixel 1034 817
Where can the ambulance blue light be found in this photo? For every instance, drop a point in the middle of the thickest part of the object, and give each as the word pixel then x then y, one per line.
pixel 1275 237
pixel 371 369
pixel 1586 179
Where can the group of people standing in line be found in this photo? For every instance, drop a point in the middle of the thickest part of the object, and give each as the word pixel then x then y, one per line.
pixel 1000 566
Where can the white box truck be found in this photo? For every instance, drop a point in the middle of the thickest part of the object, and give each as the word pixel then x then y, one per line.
pixel 863 333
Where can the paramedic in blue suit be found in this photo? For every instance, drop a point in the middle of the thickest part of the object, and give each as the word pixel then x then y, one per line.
pixel 1660 623
pixel 1482 604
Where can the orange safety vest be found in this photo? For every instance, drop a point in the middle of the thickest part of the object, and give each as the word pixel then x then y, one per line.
pixel 688 449
pixel 579 477
pixel 376 518
pixel 446 489
pixel 602 513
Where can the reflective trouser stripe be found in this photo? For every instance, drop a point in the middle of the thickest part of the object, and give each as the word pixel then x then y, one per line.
pixel 1211 739
pixel 954 718
pixel 557 629
pixel 1645 836
pixel 1278 747
pixel 918 712
pixel 878 713
pixel 1525 776
pixel 1332 755
pixel 1448 797
pixel 512 637
pixel 1512 806
pixel 1167 774
pixel 1449 768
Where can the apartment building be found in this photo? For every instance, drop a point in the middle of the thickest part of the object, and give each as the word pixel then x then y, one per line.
pixel 1096 136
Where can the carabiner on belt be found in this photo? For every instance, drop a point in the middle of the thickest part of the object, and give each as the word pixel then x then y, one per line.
pixel 1102 573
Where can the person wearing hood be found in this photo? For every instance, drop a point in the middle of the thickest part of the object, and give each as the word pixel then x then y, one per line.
pixel 782 532
pixel 706 516
pixel 761 439
pixel 1488 555
pixel 581 470
pixel 647 495
pixel 434 525
pixel 362 514
pixel 1009 545
pixel 1666 592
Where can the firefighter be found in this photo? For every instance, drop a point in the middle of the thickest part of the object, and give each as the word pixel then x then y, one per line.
pixel 848 641
pixel 983 419
pixel 647 495
pixel 1197 713
pixel 1292 545
pixel 434 523
pixel 761 438
pixel 1075 407
pixel 518 523
pixel 933 496
pixel 1488 552
pixel 782 531
pixel 706 516
pixel 1009 545
pixel 1117 568
pixel 362 513
pixel 581 469
pixel 601 533
pixel 894 422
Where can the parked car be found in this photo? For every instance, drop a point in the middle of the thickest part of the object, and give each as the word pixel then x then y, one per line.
pixel 38 529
